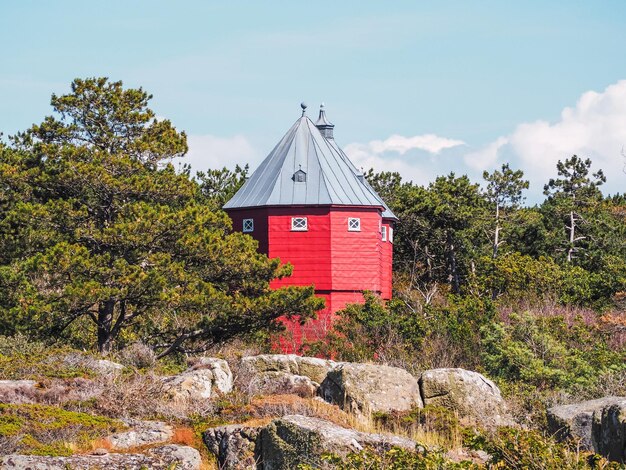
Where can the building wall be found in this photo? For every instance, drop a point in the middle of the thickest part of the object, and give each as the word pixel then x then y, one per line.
pixel 309 252
pixel 386 262
pixel 355 256
pixel 260 216
pixel 338 262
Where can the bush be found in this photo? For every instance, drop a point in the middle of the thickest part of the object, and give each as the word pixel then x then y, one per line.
pixel 527 449
pixel 138 355
pixel 547 352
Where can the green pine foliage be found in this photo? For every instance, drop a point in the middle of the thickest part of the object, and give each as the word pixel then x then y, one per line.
pixel 104 243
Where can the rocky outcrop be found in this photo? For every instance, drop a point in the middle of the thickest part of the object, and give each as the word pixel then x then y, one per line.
pixel 233 446
pixel 165 457
pixel 274 383
pixel 595 425
pixel 474 398
pixel 222 376
pixel 608 431
pixel 200 381
pixel 141 433
pixel 368 388
pixel 294 440
pixel 574 421
pixel 278 374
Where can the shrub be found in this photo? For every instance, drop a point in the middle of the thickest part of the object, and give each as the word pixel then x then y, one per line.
pixel 527 449
pixel 138 355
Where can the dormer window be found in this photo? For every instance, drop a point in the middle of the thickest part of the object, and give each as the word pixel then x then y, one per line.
pixel 299 176
pixel 248 225
pixel 299 224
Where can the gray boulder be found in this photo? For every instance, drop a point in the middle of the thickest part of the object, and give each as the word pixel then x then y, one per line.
pixel 608 431
pixel 294 440
pixel 233 446
pixel 200 381
pixel 575 421
pixel 368 388
pixel 273 383
pixel 471 395
pixel 222 375
pixel 165 457
pixel 141 433
pixel 311 367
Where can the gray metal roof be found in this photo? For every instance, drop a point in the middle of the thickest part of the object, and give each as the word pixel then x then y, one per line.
pixel 330 177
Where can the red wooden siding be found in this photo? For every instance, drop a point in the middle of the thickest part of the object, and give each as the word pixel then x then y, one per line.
pixel 309 251
pixel 355 261
pixel 386 272
pixel 340 263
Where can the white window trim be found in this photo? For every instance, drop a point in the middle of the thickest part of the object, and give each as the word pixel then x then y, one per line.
pixel 299 227
pixel 390 235
pixel 245 228
pixel 357 227
pixel 383 233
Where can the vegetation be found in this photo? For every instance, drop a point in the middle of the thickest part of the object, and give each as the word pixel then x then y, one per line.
pixel 50 430
pixel 105 248
pixel 102 241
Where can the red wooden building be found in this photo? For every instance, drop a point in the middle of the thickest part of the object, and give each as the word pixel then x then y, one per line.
pixel 308 205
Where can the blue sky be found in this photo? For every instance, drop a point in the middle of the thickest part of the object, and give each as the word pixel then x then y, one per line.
pixel 423 88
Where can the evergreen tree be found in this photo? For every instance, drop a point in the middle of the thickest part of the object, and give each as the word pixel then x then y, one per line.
pixel 108 241
pixel 504 193
pixel 573 193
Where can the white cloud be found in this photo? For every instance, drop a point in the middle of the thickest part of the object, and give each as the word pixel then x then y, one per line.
pixel 595 127
pixel 487 156
pixel 209 151
pixel 412 157
pixel 430 143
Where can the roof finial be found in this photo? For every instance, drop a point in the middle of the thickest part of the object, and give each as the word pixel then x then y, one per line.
pixel 303 106
pixel 325 127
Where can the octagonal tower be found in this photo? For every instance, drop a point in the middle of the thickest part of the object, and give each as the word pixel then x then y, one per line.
pixel 308 205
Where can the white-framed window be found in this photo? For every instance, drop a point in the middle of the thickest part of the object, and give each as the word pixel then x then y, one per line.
pixel 354 224
pixel 299 224
pixel 390 235
pixel 383 233
pixel 248 225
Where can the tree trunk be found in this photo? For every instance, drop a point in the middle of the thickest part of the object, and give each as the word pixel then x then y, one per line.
pixel 572 236
pixel 496 237
pixel 105 322
pixel 454 275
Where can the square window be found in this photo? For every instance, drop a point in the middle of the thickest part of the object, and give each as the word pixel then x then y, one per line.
pixel 299 224
pixel 354 224
pixel 248 225
pixel 390 235
pixel 383 233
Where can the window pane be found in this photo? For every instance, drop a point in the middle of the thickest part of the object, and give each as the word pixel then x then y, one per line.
pixel 299 223
pixel 248 225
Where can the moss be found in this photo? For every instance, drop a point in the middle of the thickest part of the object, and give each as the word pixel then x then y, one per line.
pixel 49 430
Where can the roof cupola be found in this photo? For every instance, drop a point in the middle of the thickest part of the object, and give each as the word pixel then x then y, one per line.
pixel 324 126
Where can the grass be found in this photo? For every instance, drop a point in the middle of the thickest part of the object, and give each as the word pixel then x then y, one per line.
pixel 50 430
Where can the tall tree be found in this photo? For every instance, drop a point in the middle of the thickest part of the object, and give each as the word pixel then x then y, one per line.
pixel 572 193
pixel 504 193
pixel 121 243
